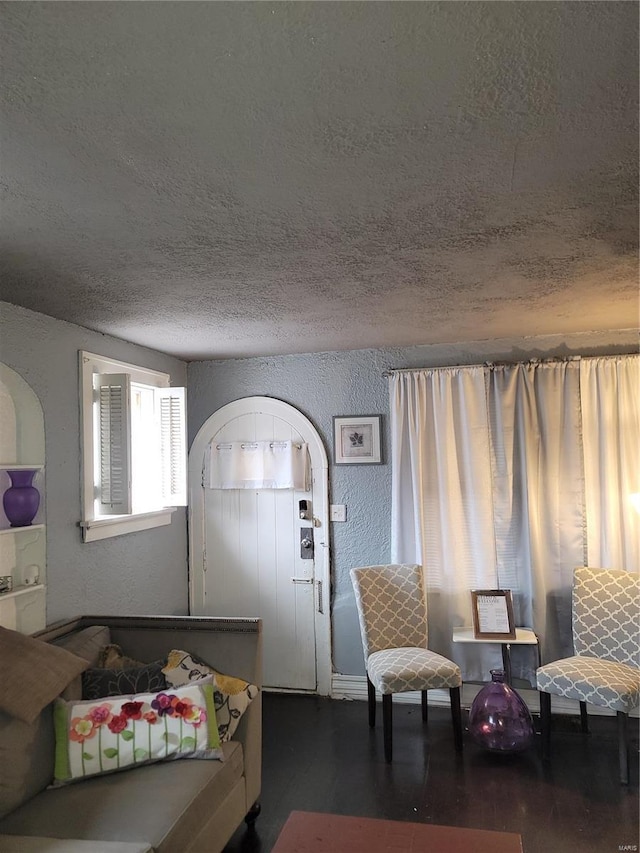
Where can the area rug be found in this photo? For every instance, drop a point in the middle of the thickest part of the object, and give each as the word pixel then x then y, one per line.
pixel 312 832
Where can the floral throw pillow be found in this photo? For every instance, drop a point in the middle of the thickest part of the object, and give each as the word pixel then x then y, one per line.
pixel 231 695
pixel 97 683
pixel 117 733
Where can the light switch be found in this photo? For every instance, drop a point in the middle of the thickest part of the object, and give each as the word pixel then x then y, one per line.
pixel 338 512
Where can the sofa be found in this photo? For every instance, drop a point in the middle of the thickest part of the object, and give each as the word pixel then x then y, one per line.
pixel 177 806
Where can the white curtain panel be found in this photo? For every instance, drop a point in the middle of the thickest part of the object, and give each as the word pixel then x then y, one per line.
pixel 538 497
pixel 498 474
pixel 610 393
pixel 441 498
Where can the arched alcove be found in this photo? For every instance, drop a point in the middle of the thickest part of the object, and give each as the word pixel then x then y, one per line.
pixel 22 549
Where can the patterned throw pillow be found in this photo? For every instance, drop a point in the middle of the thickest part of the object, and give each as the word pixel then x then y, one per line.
pixel 117 733
pixel 232 696
pixel 97 683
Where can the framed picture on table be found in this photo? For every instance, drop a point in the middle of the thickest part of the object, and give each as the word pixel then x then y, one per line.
pixel 492 614
pixel 356 440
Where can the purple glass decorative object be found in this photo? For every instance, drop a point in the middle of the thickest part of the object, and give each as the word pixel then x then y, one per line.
pixel 21 500
pixel 499 720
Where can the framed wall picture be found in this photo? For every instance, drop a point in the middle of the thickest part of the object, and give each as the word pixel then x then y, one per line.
pixel 356 440
pixel 492 614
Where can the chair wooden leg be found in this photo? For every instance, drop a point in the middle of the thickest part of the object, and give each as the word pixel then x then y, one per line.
pixel 545 724
pixel 386 726
pixel 425 707
pixel 584 718
pixel 456 716
pixel 371 696
pixel 623 746
pixel 252 815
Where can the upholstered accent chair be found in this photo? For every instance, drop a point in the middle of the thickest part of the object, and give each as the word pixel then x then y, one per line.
pixel 605 669
pixel 392 610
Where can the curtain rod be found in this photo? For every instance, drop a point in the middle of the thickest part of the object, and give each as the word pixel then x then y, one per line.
pixel 253 445
pixel 492 365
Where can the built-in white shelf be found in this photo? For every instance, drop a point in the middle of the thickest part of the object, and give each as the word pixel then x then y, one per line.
pixel 20 590
pixel 22 529
pixel 11 466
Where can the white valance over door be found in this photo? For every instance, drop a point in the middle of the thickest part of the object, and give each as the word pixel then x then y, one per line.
pixel 256 465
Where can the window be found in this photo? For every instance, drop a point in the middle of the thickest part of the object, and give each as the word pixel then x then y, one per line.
pixel 133 447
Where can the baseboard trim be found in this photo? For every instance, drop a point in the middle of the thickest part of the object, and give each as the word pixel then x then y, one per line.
pixel 355 687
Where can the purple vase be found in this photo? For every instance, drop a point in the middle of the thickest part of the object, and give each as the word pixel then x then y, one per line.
pixel 499 720
pixel 21 500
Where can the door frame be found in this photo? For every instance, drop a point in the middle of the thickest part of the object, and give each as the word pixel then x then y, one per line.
pixel 320 479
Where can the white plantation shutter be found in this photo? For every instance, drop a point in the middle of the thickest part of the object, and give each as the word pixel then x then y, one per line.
pixel 134 447
pixel 114 443
pixel 173 445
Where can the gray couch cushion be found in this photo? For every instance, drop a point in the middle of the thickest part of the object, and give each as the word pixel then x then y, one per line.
pixel 26 758
pixel 158 804
pixel 27 749
pixel 35 844
pixel 88 644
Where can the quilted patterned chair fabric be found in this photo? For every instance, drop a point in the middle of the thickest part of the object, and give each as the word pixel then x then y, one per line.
pixel 605 669
pixel 392 611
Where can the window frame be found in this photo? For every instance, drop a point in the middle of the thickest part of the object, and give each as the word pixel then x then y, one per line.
pixel 103 527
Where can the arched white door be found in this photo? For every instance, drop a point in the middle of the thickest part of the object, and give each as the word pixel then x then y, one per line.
pixel 246 557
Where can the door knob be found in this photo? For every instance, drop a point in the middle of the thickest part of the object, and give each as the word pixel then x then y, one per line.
pixel 306 543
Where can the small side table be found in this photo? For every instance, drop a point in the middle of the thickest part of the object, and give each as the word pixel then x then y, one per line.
pixel 524 637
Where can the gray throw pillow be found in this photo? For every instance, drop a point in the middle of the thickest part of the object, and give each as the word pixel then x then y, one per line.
pixel 98 683
pixel 33 673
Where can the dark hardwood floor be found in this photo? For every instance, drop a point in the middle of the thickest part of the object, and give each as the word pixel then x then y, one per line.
pixel 320 755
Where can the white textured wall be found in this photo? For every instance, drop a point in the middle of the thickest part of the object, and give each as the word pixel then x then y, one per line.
pixel 345 383
pixel 142 572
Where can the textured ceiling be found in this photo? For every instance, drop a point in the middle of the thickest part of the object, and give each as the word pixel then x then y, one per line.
pixel 216 179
